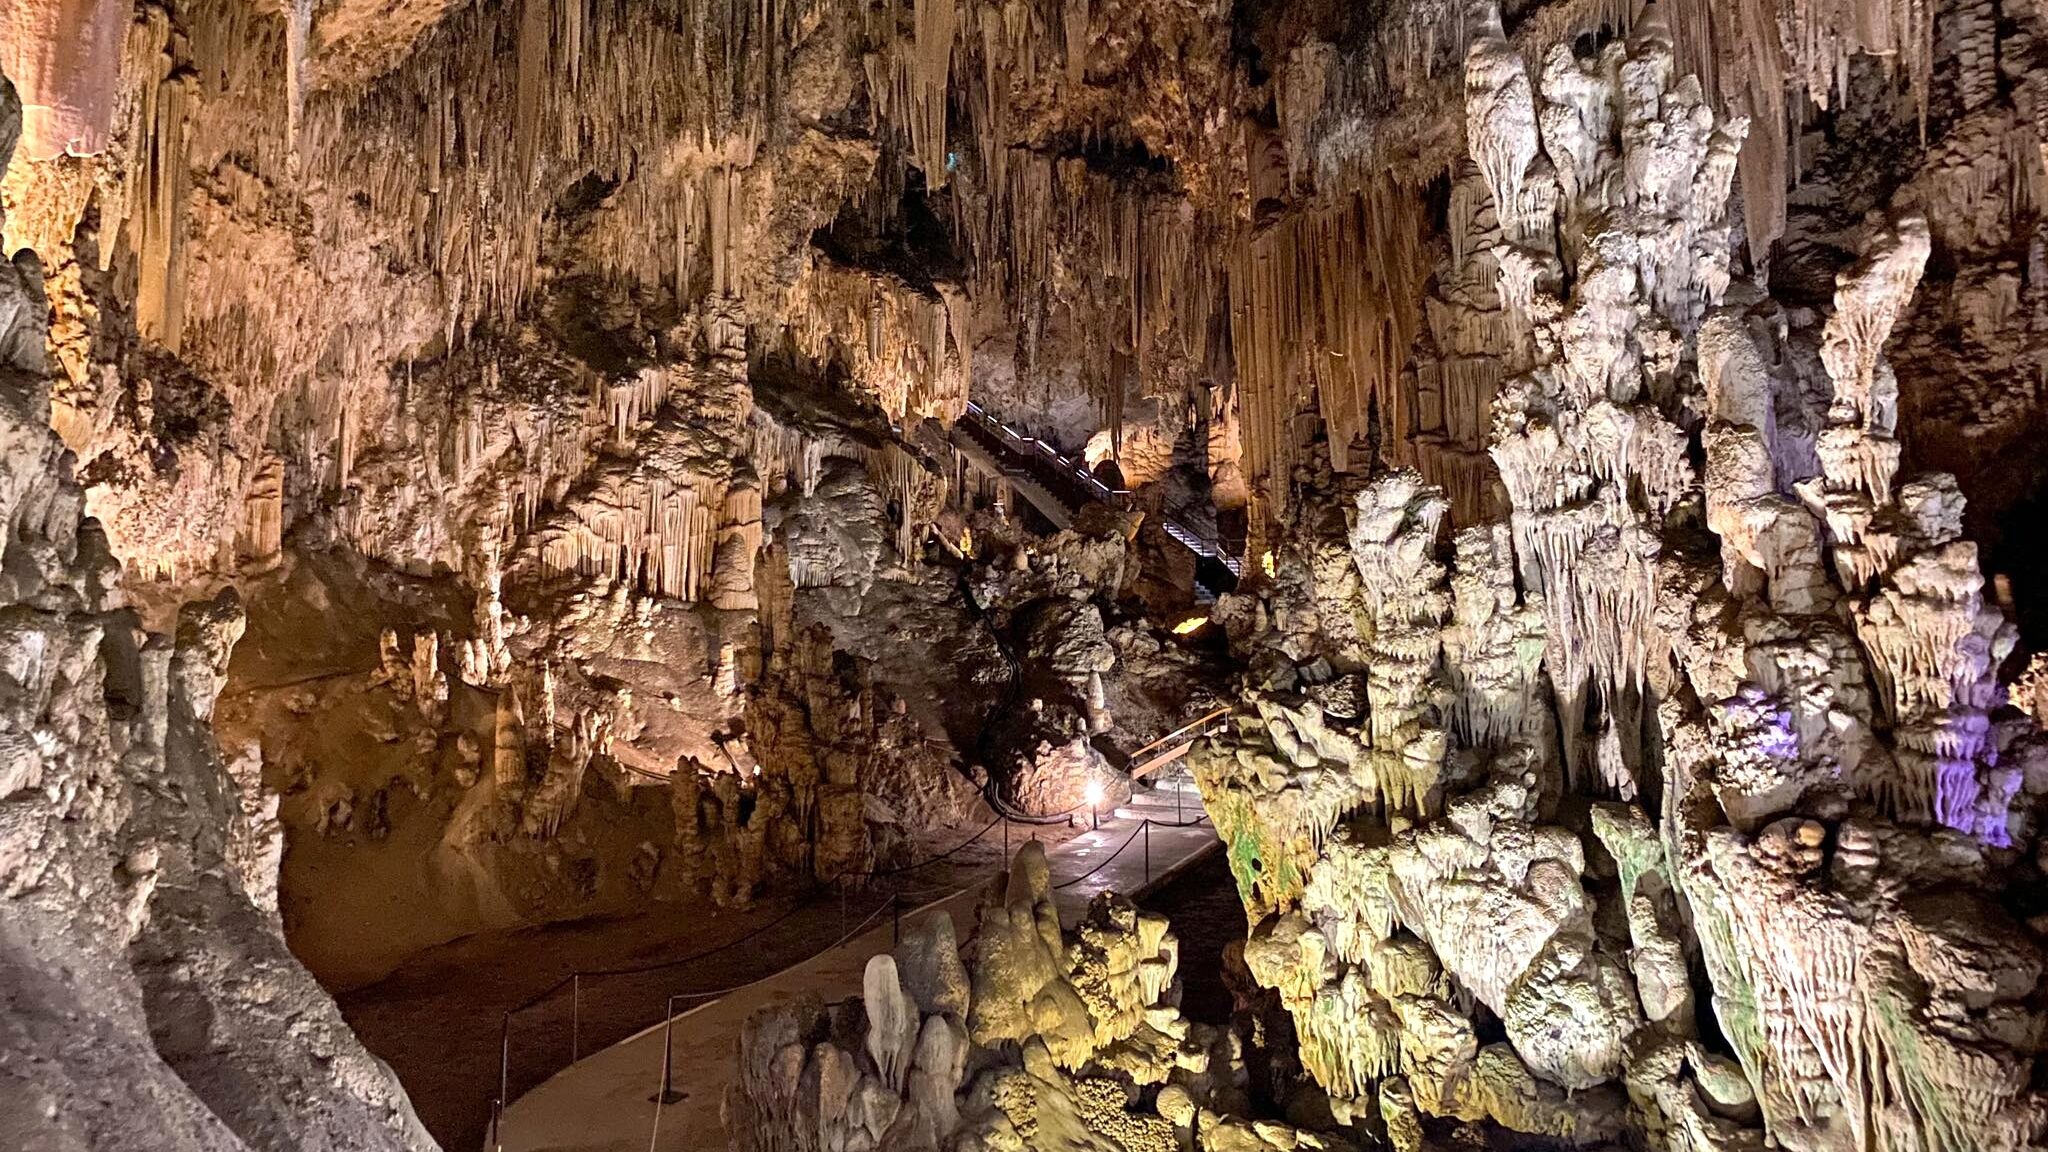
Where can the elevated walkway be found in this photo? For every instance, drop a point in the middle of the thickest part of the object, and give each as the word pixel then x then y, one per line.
pixel 1058 487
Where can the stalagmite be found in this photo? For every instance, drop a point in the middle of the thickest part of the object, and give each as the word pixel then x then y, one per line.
pixel 892 1021
pixel 1095 1011
pixel 1393 542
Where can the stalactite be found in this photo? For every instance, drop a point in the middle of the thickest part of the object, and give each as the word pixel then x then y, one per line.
pixel 262 532
pixel 158 232
pixel 909 77
pixel 583 88
pixel 720 190
pixel 1326 303
pixel 899 343
pixel 739 543
pixel 784 458
pixel 1118 263
pixel 937 21
pixel 508 747
pixel 631 401
pixel 914 491
pixel 658 539
pixel 298 33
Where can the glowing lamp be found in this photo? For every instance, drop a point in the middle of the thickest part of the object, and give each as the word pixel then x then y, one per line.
pixel 1094 793
pixel 1189 625
pixel 1266 563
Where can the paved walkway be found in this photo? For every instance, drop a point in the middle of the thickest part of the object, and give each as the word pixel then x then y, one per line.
pixel 604 1103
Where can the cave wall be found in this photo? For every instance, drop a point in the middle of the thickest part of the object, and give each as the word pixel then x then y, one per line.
pixel 151 1001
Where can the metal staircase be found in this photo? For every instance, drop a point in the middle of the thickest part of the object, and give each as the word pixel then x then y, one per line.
pixel 1058 487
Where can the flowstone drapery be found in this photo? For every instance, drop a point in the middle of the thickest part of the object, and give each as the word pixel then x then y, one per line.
pixel 1645 701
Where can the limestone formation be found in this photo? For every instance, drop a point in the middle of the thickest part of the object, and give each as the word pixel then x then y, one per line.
pixel 1071 1042
pixel 470 467
pixel 137 867
pixel 1707 636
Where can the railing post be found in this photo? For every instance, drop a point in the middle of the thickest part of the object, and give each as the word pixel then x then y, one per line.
pixel 575 1017
pixel 668 1055
pixel 667 1094
pixel 504 1078
pixel 1146 828
pixel 896 917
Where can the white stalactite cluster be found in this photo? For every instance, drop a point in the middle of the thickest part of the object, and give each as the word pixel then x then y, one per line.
pixel 1696 655
pixel 1915 590
pixel 654 519
pixel 1836 968
pixel 1589 461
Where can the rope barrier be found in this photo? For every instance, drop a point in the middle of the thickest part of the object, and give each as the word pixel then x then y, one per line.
pixel 642 969
pixel 1148 822
pixel 664 1092
pixel 849 934
pixel 1106 860
pixel 986 828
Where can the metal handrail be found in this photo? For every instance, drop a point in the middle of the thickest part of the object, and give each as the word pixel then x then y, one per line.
pixel 665 1093
pixel 574 981
pixel 1192 540
pixel 1199 722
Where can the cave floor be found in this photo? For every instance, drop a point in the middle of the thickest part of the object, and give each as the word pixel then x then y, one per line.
pixel 604 1102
